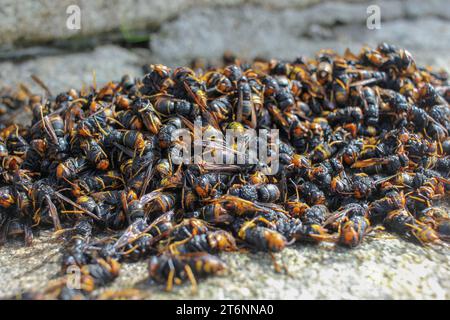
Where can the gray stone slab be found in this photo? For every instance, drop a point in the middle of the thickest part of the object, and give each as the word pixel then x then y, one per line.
pixel 383 267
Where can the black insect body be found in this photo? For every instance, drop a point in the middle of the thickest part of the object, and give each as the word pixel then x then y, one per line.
pixel 362 146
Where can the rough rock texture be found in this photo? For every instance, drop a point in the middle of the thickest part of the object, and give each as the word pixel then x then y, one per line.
pixel 44 20
pixel 383 267
pixel 25 22
pixel 287 33
pixel 28 268
pixel 63 72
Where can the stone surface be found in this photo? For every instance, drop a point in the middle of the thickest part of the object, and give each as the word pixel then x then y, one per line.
pixel 25 22
pixel 383 267
pixel 39 21
pixel 61 73
pixel 28 268
pixel 287 33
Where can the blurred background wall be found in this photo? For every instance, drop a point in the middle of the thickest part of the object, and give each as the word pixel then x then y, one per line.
pixel 118 36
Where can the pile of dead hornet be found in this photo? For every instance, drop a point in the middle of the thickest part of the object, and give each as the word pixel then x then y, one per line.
pixel 363 144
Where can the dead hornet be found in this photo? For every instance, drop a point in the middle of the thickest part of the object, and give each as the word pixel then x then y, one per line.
pixel 171 269
pixel 211 242
pixel 259 237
